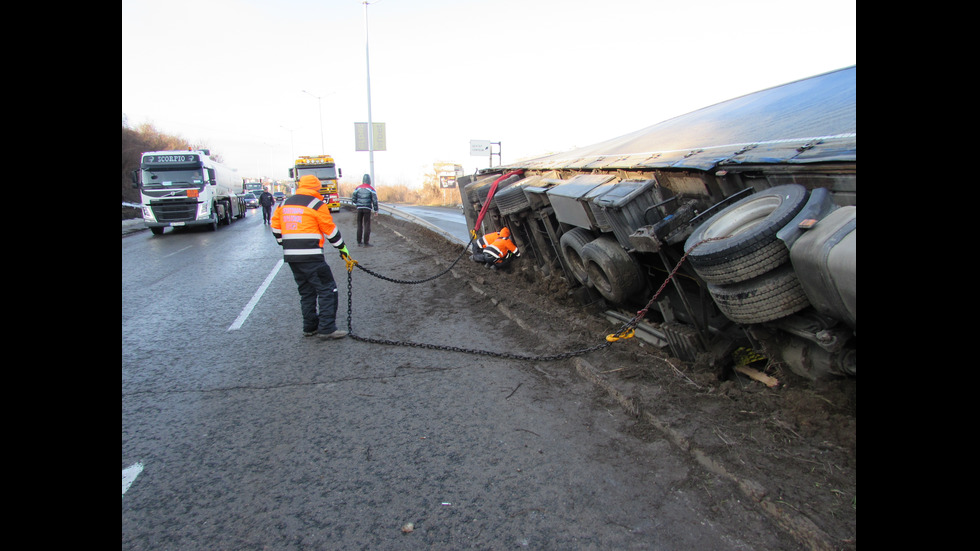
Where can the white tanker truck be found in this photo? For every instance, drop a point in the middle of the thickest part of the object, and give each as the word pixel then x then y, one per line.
pixel 187 188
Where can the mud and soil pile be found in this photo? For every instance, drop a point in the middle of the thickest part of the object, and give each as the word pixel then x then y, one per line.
pixel 791 448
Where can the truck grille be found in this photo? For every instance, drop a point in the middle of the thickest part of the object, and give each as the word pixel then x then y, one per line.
pixel 174 211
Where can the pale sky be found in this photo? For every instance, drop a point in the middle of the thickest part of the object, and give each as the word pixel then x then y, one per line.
pixel 538 76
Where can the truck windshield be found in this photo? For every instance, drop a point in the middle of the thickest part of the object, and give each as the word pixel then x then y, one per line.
pixel 163 179
pixel 323 173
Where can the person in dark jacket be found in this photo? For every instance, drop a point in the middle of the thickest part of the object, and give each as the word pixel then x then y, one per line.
pixel 266 200
pixel 365 198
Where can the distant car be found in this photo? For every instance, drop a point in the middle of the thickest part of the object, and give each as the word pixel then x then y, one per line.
pixel 279 196
pixel 251 201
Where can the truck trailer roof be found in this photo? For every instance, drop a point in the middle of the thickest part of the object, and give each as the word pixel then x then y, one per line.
pixel 805 121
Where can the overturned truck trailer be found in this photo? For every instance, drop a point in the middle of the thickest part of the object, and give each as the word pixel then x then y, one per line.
pixel 759 193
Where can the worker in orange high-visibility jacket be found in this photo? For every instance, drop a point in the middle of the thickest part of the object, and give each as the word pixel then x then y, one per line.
pixel 498 252
pixel 301 225
pixel 482 242
pixel 501 252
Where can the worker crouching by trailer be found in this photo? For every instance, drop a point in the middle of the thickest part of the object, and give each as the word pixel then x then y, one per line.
pixel 495 250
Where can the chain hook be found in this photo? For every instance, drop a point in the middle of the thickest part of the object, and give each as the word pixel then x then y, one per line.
pixel 627 333
pixel 350 263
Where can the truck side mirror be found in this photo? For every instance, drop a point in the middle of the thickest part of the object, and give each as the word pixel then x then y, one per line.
pixel 290 173
pixel 135 176
pixel 211 179
pixel 340 173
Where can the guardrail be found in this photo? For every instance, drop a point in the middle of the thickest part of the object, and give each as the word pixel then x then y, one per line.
pixel 392 211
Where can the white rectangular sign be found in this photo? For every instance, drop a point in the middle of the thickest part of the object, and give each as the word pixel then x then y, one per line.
pixel 361 136
pixel 479 148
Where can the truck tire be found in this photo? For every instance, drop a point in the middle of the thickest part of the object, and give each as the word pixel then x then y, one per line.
pixel 215 220
pixel 768 297
pixel 612 271
pixel 227 220
pixel 571 244
pixel 750 246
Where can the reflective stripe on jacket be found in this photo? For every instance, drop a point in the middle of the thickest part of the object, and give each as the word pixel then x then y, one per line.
pixel 501 249
pixel 300 226
pixel 487 239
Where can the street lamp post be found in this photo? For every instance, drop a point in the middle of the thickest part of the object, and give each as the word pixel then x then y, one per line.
pixel 367 58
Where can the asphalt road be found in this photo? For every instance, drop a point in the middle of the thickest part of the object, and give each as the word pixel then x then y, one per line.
pixel 448 221
pixel 239 433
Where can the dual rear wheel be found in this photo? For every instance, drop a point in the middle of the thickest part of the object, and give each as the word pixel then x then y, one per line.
pixel 746 266
pixel 600 262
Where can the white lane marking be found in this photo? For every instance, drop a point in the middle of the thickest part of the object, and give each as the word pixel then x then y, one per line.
pixel 255 299
pixel 129 475
pixel 175 252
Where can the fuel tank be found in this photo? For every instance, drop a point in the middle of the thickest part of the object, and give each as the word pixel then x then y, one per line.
pixel 825 261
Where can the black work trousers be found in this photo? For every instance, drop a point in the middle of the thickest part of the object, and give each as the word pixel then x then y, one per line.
pixel 363 226
pixel 317 296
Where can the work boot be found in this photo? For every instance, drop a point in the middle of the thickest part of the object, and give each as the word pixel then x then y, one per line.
pixel 338 334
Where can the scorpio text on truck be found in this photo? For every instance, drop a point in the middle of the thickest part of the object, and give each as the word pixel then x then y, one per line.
pixel 187 188
pixel 752 201
pixel 325 169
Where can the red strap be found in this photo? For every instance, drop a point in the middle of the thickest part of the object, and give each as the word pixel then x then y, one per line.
pixel 493 189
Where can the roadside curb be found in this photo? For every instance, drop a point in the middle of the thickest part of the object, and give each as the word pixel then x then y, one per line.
pixel 132 225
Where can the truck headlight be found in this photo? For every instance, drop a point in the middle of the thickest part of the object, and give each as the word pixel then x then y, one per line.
pixel 148 214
